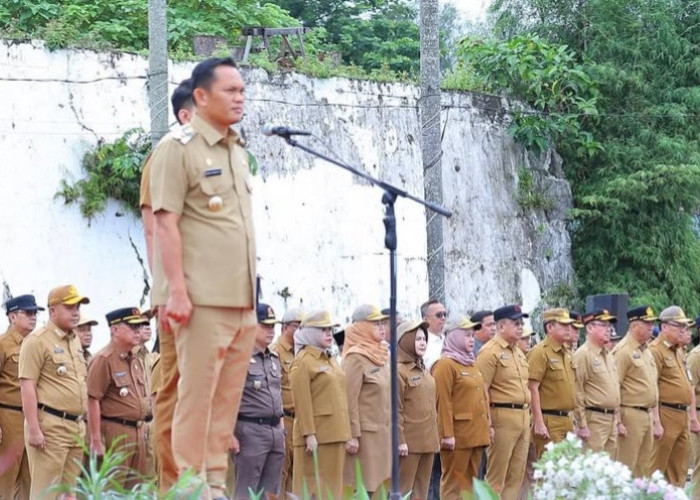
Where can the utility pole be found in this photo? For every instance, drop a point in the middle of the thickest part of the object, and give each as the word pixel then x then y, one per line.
pixel 158 68
pixel 431 146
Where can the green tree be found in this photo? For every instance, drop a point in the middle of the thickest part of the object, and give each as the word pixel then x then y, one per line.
pixel 637 196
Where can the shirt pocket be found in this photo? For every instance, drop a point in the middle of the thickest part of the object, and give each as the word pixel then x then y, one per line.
pixel 599 367
pixel 120 379
pixel 556 372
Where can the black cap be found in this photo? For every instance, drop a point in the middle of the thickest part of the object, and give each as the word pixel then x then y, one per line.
pixel 130 315
pixel 479 316
pixel 599 315
pixel 22 303
pixel 339 337
pixel 509 312
pixel 697 321
pixel 641 313
pixel 266 315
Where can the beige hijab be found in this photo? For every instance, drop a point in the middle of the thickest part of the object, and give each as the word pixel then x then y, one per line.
pixel 359 340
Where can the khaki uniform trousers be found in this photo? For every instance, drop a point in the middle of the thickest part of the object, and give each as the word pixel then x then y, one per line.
pixel 459 468
pixel 14 466
pixel 557 427
pixel 59 461
pixel 695 478
pixel 603 433
pixel 507 455
pixel 150 451
pixel 164 409
pixel 331 462
pixel 635 449
pixel 414 474
pixel 132 442
pixel 213 354
pixel 286 484
pixel 672 452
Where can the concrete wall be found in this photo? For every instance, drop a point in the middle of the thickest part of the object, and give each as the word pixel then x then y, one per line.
pixel 319 230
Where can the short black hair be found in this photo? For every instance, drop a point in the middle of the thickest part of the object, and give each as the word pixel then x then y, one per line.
pixel 182 97
pixel 203 73
pixel 479 316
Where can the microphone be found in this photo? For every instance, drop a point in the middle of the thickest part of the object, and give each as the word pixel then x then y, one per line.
pixel 281 131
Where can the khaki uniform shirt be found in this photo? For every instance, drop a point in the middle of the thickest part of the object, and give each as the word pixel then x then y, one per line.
pixel 550 364
pixel 156 377
pixel 54 360
pixel 285 353
pixel 597 384
pixel 262 395
pixel 369 394
pixel 637 373
pixel 145 186
pixel 461 404
pixel 118 380
pixel 504 369
pixel 693 363
pixel 320 398
pixel 674 386
pixel 417 413
pixel 10 344
pixel 191 170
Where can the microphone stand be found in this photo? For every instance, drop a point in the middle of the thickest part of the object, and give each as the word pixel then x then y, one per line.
pixel 389 196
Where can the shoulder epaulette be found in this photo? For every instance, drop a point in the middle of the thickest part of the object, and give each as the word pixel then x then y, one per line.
pixel 184 133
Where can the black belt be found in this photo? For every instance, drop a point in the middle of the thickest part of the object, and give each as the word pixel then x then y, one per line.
pixel 512 406
pixel 675 406
pixel 607 411
pixel 640 408
pixel 271 421
pixel 289 414
pixel 556 413
pixel 61 414
pixel 10 407
pixel 129 423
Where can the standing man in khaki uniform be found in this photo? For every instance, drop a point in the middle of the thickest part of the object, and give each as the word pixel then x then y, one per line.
pixel 118 403
pixel 15 479
pixel 259 434
pixel 672 452
pixel 639 393
pixel 552 381
pixel 597 385
pixel 204 270
pixel 284 347
pixel 52 374
pixel 504 369
pixel 183 108
pixel 84 333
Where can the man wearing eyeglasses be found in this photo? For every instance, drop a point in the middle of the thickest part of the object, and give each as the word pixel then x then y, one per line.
pixel 672 452
pixel 15 479
pixel 597 386
pixel 436 315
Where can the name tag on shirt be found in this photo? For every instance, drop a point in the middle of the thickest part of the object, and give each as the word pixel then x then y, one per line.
pixel 212 172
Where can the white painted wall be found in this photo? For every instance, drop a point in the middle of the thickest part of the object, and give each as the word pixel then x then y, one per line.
pixel 319 230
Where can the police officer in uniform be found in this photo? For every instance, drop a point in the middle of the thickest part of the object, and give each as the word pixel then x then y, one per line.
pixel 118 404
pixel 284 347
pixel 259 451
pixel 672 452
pixel 52 373
pixel 639 393
pixel 552 381
pixel 504 369
pixel 15 479
pixel 597 386
pixel 204 271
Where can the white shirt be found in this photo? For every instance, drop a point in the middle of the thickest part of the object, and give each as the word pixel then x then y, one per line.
pixel 433 349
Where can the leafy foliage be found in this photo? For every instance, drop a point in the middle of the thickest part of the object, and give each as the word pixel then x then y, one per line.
pixel 614 84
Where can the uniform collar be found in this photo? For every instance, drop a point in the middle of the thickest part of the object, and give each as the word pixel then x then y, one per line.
pixel 595 348
pixel 210 134
pixel 634 343
pixel 58 332
pixel 556 346
pixel 266 352
pixel 15 335
pixel 502 342
pixel 286 345
pixel 316 352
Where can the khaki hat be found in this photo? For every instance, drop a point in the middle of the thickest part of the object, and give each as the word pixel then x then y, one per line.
pixel 292 315
pixel 409 326
pixel 367 312
pixel 576 316
pixel 461 323
pixel 527 333
pixel 318 319
pixel 67 295
pixel 559 315
pixel 85 320
pixel 674 314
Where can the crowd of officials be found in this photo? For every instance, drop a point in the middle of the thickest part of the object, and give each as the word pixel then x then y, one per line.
pixel 475 400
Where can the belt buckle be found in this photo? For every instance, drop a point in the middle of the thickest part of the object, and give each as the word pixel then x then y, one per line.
pixel 526 406
pixel 80 418
pixel 139 423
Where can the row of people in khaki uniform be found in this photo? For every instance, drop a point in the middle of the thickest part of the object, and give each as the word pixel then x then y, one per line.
pixel 50 387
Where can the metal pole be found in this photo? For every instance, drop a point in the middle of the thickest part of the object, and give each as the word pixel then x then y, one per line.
pixel 158 68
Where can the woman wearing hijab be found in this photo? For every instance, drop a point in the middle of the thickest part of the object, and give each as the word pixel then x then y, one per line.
pixel 368 378
pixel 321 424
pixel 464 424
pixel 418 433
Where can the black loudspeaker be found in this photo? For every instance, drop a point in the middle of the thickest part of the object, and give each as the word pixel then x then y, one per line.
pixel 616 304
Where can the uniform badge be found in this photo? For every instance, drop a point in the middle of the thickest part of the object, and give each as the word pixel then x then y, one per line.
pixel 58 350
pixel 252 361
pixel 322 368
pixel 212 172
pixel 465 374
pixel 504 356
pixel 61 370
pixel 257 384
pixel 554 361
pixel 274 367
pixel 636 355
pixel 123 392
pixel 215 203
pixel 416 378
